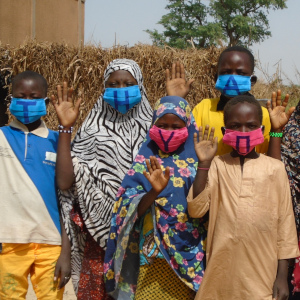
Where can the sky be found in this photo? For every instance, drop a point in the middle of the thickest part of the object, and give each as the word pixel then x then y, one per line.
pixel 124 22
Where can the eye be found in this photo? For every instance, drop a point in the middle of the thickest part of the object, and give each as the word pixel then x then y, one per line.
pixel 130 84
pixel 233 126
pixel 253 126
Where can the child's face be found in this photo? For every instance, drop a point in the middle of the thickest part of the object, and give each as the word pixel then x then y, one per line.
pixel 120 79
pixel 243 117
pixel 235 63
pixel 29 89
pixel 170 122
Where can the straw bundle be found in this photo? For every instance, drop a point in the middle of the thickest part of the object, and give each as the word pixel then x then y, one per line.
pixel 83 69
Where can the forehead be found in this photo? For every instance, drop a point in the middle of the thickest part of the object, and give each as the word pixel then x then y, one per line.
pixel 243 111
pixel 120 75
pixel 169 118
pixel 234 58
pixel 29 85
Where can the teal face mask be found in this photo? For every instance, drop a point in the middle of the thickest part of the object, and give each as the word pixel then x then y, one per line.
pixel 28 110
pixel 123 99
pixel 233 85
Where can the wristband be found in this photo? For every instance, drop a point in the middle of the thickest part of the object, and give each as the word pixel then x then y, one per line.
pixel 61 129
pixel 276 134
pixel 205 169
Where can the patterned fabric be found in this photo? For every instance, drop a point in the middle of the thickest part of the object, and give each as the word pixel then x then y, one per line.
pixel 290 148
pixel 91 283
pixel 102 152
pixel 159 281
pixel 290 155
pixel 179 237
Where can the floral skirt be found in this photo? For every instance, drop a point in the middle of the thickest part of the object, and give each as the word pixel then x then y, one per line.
pixel 159 281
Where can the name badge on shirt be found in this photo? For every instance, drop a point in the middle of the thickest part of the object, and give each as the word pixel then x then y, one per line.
pixel 50 156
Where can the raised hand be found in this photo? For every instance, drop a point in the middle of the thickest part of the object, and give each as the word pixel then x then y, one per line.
pixel 207 146
pixel 156 176
pixel 176 84
pixel 67 112
pixel 278 116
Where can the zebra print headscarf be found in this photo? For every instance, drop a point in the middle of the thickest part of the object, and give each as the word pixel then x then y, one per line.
pixel 102 152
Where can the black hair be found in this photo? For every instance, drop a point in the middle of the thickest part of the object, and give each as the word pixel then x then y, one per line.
pixel 30 75
pixel 242 99
pixel 238 49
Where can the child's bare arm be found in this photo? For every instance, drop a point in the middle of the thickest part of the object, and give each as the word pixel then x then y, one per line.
pixel 279 119
pixel 63 265
pixel 67 114
pixel 205 149
pixel 158 181
pixel 176 84
pixel 281 289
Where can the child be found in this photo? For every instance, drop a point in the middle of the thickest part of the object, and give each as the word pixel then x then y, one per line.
pixel 252 231
pixel 234 77
pixel 33 240
pixel 90 172
pixel 155 249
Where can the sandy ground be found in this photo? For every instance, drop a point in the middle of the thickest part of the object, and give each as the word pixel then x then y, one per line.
pixel 68 294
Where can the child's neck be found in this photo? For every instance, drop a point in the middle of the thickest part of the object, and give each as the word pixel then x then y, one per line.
pixel 251 155
pixel 34 125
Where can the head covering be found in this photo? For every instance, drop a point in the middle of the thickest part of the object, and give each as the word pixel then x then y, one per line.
pixel 102 152
pixel 179 237
pixel 290 155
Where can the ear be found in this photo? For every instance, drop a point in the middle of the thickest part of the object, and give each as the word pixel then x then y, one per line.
pixel 253 80
pixel 223 130
pixel 47 100
pixel 263 128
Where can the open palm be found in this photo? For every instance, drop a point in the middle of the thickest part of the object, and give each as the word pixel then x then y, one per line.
pixel 157 178
pixel 207 145
pixel 67 112
pixel 177 85
pixel 278 116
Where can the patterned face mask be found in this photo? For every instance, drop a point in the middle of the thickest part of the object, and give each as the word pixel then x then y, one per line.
pixel 243 142
pixel 28 110
pixel 168 140
pixel 233 85
pixel 123 99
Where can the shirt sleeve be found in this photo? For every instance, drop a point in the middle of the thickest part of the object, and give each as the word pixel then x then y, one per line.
pixel 198 206
pixel 197 114
pixel 263 148
pixel 287 242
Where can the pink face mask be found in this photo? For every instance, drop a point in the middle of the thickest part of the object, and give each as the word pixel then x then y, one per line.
pixel 243 142
pixel 168 140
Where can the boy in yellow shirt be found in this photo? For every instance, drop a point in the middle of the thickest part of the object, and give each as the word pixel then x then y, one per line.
pixel 234 77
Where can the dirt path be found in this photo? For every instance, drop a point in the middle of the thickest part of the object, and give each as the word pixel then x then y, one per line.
pixel 68 294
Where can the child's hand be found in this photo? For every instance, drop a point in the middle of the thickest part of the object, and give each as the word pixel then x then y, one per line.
pixel 277 113
pixel 62 271
pixel 67 113
pixel 177 85
pixel 157 178
pixel 207 146
pixel 280 289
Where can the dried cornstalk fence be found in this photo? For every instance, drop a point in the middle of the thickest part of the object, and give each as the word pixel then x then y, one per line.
pixel 83 69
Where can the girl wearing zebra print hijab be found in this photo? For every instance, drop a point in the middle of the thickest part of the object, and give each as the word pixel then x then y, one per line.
pixel 90 173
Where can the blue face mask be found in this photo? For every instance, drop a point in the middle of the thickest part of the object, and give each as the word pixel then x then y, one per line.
pixel 123 99
pixel 233 85
pixel 28 110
